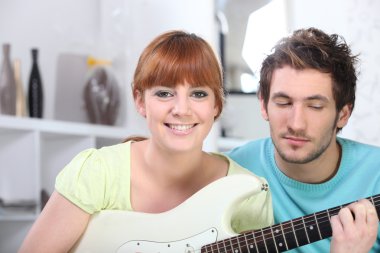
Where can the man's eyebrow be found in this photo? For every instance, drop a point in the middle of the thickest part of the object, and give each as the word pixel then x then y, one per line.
pixel 280 95
pixel 318 97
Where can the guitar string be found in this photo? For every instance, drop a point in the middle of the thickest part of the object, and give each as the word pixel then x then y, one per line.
pixel 328 212
pixel 298 226
pixel 258 241
pixel 255 241
pixel 308 220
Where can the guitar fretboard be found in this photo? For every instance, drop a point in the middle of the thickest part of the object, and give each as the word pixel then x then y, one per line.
pixel 283 236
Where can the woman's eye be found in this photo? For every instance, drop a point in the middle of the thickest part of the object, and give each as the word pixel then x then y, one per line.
pixel 199 94
pixel 163 94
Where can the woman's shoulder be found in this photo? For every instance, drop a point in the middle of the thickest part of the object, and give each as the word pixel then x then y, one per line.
pixel 95 160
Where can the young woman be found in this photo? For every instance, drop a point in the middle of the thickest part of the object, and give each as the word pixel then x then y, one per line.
pixel 178 88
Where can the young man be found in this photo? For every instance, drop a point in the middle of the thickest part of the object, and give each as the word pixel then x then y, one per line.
pixel 307 94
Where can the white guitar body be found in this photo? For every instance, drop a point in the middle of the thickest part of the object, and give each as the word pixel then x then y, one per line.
pixel 202 219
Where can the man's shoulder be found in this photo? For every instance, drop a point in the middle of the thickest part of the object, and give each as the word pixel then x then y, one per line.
pixel 349 143
pixel 253 155
pixel 251 148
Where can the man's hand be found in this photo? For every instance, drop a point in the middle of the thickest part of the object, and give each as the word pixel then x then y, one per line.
pixel 355 228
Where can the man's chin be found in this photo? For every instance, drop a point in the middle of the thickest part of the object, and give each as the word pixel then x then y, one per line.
pixel 295 158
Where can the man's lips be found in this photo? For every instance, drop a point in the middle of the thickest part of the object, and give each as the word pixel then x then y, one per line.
pixel 296 141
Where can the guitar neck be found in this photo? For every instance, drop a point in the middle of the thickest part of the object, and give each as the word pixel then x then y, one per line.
pixel 284 236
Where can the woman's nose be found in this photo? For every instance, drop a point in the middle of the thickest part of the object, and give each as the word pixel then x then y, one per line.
pixel 182 106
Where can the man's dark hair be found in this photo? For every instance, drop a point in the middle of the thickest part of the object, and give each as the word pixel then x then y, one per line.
pixel 313 49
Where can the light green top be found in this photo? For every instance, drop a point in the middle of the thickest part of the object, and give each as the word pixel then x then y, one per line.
pixel 99 179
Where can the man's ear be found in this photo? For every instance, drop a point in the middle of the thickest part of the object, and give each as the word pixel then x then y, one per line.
pixel 344 115
pixel 263 109
pixel 139 103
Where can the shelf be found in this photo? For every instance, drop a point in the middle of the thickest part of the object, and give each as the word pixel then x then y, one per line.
pixel 17 216
pixel 61 127
pixel 32 153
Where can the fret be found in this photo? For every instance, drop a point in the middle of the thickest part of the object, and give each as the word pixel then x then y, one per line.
pixel 274 239
pixel 323 219
pixel 283 236
pixel 260 241
pixel 319 230
pixel 294 232
pixel 251 242
pixel 224 246
pixel 289 234
pixel 206 249
pixel 300 232
pixel 217 247
pixel 304 226
pixel 311 228
pixel 246 242
pixel 264 240
pixel 279 238
pixel 228 245
pixel 235 247
pixel 238 249
pixel 212 248
pixel 372 201
pixel 270 244
pixel 375 201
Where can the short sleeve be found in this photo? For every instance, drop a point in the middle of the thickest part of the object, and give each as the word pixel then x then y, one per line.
pixel 83 181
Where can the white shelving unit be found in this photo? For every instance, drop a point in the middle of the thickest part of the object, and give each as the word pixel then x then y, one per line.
pixel 32 152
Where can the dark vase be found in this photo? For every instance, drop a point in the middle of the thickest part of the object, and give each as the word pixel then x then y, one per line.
pixel 35 92
pixel 7 84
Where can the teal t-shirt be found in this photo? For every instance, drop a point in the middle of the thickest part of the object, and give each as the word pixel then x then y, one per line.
pixel 358 177
pixel 99 179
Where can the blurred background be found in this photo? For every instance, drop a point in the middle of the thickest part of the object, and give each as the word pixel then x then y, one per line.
pixel 73 37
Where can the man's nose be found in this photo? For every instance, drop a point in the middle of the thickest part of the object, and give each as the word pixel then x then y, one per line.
pixel 297 120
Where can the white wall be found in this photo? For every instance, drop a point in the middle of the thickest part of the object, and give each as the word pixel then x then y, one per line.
pixel 358 21
pixel 242 119
pixel 117 30
pixel 51 26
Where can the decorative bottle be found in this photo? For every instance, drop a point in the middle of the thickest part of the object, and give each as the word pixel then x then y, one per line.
pixel 35 92
pixel 20 94
pixel 7 84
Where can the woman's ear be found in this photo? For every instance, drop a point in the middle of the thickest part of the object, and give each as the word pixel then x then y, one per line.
pixel 216 111
pixel 139 103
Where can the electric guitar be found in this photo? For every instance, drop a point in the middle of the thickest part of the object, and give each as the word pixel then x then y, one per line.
pixel 198 226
